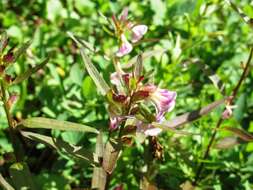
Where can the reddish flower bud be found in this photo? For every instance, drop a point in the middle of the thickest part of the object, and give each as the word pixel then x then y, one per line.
pixel 12 99
pixel 126 78
pixel 119 98
pixel 8 58
pixel 8 79
pixel 140 95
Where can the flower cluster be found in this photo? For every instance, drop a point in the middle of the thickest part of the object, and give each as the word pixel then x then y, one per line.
pixel 130 95
pixel 122 26
pixel 133 97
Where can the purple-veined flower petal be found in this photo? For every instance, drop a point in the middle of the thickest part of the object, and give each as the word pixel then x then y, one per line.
pixel 138 32
pixel 125 47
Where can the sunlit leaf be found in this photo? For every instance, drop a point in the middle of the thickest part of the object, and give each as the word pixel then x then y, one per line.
pixel 94 74
pixel 21 176
pixel 45 123
pixel 29 72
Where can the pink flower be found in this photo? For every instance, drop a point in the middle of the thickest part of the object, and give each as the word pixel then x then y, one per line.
pixel 125 47
pixel 138 32
pixel 163 99
pixel 228 111
pixel 122 25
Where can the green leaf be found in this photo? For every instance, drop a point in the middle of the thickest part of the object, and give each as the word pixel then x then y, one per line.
pixel 91 69
pixel 72 137
pixel 94 74
pixel 5 184
pixel 242 134
pixel 45 123
pixel 88 89
pixel 241 105
pixel 189 116
pixel 21 50
pixel 21 176
pixel 59 145
pixel 29 72
pixel 76 74
pixel 227 142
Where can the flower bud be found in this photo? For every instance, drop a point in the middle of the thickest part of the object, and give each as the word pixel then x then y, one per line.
pixel 125 47
pixel 8 58
pixel 12 99
pixel 8 79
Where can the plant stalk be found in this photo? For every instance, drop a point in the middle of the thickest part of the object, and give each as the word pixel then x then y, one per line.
pixel 11 125
pixel 230 102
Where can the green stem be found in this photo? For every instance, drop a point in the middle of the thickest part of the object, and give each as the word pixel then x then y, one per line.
pixel 10 121
pixel 231 100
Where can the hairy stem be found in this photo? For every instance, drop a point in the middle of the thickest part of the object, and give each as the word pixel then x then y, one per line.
pixel 231 100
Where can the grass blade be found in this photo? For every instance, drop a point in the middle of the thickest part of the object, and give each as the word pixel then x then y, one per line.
pixel 45 123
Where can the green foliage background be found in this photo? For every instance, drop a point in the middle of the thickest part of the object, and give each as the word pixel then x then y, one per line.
pixel 208 30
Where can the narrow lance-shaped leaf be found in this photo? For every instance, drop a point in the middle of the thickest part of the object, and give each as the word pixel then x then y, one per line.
pixel 91 69
pixel 227 142
pixel 21 50
pixel 3 42
pixel 242 134
pixel 5 185
pixel 21 176
pixel 29 72
pixel 45 123
pixel 145 55
pixel 81 42
pixel 189 116
pixel 59 145
pixel 94 74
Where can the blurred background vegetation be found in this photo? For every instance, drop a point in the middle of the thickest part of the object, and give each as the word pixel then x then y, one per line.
pixel 207 30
